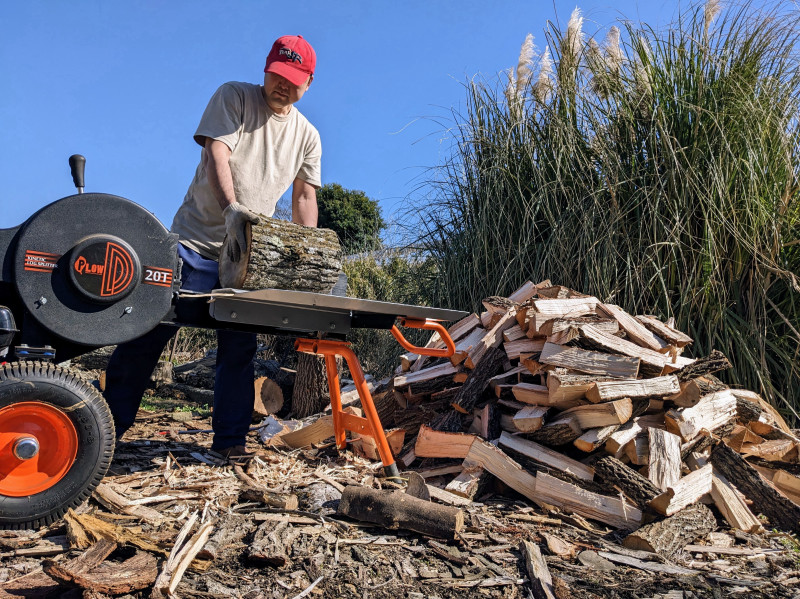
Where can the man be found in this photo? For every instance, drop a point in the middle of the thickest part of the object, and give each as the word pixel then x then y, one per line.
pixel 255 145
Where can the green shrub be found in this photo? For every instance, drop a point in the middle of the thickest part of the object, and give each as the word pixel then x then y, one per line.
pixel 657 170
pixel 388 276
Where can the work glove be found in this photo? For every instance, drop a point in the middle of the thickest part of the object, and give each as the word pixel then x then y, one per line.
pixel 236 219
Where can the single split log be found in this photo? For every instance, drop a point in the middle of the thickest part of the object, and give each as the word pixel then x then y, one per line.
pixel 547 456
pixel 469 480
pixel 437 444
pixel 564 308
pixel 652 362
pixel 667 333
pixel 515 349
pixel 684 492
pixel 781 511
pixel 694 390
pixel 602 414
pixel 710 413
pixel 284 255
pixel 515 333
pixel 590 362
pixel 636 487
pixel 497 463
pixel 529 419
pixel 668 536
pixel 714 362
pixel 746 410
pixel 613 511
pixel 633 389
pixel 635 330
pixel 594 438
pixel 428 380
pixel 562 430
pixel 478 379
pixel 395 509
pixel 539 575
pixel 566 385
pixel 664 458
pixel 492 338
pixel 540 328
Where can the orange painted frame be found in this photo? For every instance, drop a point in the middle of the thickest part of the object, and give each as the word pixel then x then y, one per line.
pixel 371 424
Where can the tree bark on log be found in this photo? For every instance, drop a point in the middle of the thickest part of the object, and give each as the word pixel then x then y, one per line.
pixel 783 513
pixel 667 537
pixel 746 410
pixel 561 431
pixel 310 395
pixel 284 255
pixel 396 509
pixel 478 379
pixel 636 487
pixel 89 571
pixel 713 362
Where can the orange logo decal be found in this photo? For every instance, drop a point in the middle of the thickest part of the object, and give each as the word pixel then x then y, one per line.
pixel 82 266
pixel 118 270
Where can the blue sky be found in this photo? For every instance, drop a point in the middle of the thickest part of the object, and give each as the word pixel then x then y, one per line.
pixel 125 83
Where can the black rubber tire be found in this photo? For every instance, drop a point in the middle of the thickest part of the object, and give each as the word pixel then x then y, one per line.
pixel 86 408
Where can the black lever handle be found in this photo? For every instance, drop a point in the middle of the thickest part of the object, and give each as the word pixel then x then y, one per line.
pixel 77 164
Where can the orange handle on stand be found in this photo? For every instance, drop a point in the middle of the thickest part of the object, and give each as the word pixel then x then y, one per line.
pixel 430 325
pixel 371 424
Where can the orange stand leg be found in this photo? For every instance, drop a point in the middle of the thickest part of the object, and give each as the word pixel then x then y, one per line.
pixel 371 424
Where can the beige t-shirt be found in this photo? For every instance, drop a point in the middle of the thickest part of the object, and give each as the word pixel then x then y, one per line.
pixel 268 151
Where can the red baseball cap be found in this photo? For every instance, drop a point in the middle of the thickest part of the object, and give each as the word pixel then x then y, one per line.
pixel 292 57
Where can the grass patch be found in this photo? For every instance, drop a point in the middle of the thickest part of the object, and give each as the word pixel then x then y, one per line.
pixel 154 403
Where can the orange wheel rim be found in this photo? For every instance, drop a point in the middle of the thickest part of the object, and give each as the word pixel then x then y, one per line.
pixel 38 445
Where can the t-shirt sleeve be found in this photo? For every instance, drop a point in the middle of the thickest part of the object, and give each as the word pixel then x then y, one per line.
pixel 223 117
pixel 311 169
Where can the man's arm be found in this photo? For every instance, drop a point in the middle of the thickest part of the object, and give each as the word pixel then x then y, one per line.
pixel 304 203
pixel 236 216
pixel 219 172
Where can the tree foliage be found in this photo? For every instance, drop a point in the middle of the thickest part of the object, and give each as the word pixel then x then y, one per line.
pixel 353 215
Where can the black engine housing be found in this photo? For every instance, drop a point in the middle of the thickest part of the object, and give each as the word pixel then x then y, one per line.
pixel 90 269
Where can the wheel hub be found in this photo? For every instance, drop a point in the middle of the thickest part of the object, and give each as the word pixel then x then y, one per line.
pixel 38 445
pixel 26 448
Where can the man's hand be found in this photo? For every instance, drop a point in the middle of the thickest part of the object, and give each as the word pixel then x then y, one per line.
pixel 236 219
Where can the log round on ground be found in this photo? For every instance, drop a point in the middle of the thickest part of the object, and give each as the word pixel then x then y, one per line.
pixel 395 509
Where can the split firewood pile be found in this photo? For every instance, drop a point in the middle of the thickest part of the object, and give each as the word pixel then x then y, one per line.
pixel 582 407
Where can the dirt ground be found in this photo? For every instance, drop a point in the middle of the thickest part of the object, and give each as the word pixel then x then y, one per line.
pixel 164 475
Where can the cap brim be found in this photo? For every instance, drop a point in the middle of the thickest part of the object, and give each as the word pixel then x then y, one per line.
pixel 294 75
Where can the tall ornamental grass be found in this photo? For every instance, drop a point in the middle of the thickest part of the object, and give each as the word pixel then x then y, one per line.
pixel 657 169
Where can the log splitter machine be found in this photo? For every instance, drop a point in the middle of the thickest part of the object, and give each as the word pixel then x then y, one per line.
pixel 94 269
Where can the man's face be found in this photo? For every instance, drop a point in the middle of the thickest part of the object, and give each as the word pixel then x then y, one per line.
pixel 280 93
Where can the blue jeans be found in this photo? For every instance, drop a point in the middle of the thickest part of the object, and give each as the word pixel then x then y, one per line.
pixel 132 363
